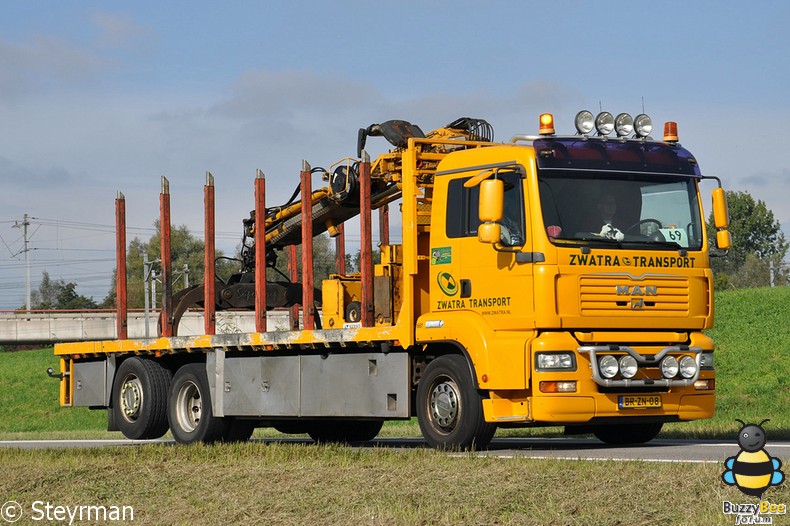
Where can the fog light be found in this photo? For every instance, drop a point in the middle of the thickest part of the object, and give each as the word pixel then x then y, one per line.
pixel 628 366
pixel 608 366
pixel 558 387
pixel 688 367
pixel 669 367
pixel 705 385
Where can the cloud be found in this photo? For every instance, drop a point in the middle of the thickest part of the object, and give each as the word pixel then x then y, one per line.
pixel 42 61
pixel 117 29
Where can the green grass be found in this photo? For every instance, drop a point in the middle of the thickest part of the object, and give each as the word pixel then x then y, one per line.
pixel 283 484
pixel 752 335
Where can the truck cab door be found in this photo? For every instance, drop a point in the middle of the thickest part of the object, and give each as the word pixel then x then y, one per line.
pixel 492 281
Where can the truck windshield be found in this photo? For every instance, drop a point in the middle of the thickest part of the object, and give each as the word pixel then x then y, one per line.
pixel 621 209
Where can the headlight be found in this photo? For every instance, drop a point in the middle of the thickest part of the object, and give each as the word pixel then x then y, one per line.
pixel 555 361
pixel 604 123
pixel 669 367
pixel 584 122
pixel 624 125
pixel 688 367
pixel 628 366
pixel 608 366
pixel 643 125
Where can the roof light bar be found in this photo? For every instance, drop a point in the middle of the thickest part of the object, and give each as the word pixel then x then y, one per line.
pixel 605 123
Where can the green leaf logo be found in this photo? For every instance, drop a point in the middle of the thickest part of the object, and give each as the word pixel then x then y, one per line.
pixel 447 283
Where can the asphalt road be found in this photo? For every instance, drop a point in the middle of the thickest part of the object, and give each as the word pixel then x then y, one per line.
pixel 659 450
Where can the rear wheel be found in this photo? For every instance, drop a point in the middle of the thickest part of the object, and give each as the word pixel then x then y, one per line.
pixel 139 400
pixel 619 434
pixel 449 408
pixel 189 408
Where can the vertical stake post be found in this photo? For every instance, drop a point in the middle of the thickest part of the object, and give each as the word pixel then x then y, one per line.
pixel 293 274
pixel 167 271
pixel 260 252
pixel 308 307
pixel 365 230
pixel 121 304
pixel 209 274
pixel 340 249
pixel 384 225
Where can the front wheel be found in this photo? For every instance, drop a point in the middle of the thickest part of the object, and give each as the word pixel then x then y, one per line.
pixel 189 408
pixel 619 434
pixel 449 408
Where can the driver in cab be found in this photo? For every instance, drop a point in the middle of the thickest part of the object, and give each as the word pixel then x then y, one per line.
pixel 604 218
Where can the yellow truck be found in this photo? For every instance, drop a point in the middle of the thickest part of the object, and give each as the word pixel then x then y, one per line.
pixel 546 281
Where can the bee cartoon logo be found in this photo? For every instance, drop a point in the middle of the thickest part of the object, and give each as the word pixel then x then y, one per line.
pixel 752 470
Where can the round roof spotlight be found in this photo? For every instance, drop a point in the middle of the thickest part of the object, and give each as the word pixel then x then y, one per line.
pixel 624 125
pixel 604 123
pixel 584 122
pixel 643 125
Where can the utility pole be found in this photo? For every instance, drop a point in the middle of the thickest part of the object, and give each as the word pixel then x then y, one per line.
pixel 145 293
pixel 23 226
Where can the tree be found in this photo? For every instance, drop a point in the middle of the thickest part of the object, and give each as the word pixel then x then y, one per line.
pixel 58 295
pixel 757 243
pixel 323 261
pixel 186 252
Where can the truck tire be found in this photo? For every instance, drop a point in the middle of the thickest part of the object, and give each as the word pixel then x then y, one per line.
pixel 619 434
pixel 139 398
pixel 344 431
pixel 189 408
pixel 449 408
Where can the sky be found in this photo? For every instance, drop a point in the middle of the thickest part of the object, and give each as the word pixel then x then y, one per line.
pixel 98 97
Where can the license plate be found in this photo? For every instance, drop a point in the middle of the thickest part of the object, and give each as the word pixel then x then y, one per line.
pixel 639 402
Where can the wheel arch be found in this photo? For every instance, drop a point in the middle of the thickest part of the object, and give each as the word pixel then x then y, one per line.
pixel 434 349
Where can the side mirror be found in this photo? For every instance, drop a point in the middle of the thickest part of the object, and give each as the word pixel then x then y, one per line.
pixel 721 219
pixel 490 233
pixel 492 199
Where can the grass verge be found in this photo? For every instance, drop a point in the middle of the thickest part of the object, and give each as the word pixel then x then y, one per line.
pixel 286 484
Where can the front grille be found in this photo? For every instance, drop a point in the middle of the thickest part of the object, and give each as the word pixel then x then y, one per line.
pixel 624 295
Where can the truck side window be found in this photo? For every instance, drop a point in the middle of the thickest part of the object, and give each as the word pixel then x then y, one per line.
pixel 462 206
